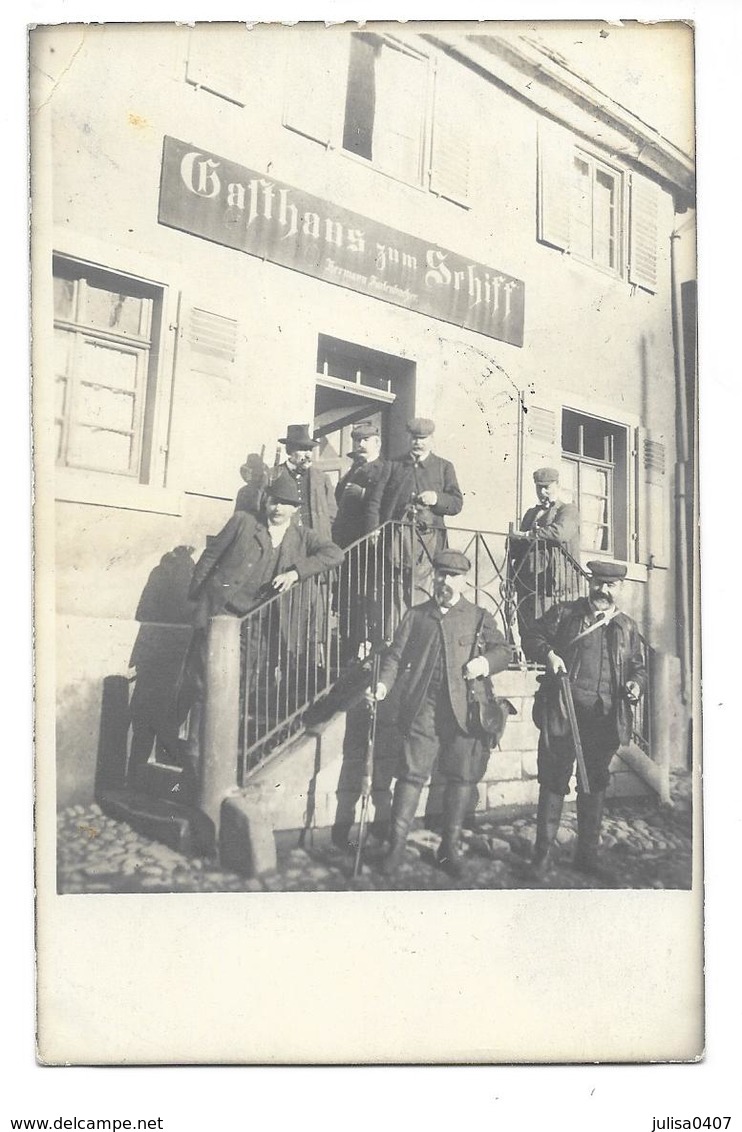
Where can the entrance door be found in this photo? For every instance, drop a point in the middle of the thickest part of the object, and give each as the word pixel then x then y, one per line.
pixel 336 411
pixel 356 384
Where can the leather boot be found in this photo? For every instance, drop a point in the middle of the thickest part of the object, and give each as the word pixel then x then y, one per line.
pixel 548 818
pixel 589 820
pixel 406 797
pixel 456 803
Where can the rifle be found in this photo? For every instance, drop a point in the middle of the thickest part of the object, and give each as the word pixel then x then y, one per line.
pixel 579 756
pixel 368 767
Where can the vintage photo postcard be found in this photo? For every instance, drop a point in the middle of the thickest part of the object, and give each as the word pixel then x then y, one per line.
pixel 365 432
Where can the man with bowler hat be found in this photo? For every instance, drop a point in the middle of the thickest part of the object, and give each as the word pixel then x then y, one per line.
pixel 317 507
pixel 537 570
pixel 597 648
pixel 438 648
pixel 421 489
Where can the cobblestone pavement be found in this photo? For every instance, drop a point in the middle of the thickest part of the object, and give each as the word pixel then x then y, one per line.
pixel 645 845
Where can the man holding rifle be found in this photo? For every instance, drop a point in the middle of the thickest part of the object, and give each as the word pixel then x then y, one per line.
pixel 440 646
pixel 594 664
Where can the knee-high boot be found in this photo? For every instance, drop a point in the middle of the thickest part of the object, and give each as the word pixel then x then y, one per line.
pixel 456 801
pixel 406 797
pixel 548 818
pixel 589 821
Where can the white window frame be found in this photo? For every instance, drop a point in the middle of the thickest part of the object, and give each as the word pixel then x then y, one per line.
pixel 103 488
pixel 596 165
pixel 426 114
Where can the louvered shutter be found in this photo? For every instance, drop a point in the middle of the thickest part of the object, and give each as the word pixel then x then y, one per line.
pixel 643 212
pixel 316 81
pixel 555 184
pixel 219 60
pixel 652 510
pixel 450 165
pixel 213 343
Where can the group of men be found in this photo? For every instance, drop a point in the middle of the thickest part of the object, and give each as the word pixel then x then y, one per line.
pixel 445 643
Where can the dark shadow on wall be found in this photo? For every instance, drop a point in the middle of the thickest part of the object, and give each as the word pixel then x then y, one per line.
pixel 157 658
pixel 255 473
pixel 139 715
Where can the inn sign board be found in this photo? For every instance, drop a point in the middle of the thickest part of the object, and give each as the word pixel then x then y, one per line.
pixel 209 196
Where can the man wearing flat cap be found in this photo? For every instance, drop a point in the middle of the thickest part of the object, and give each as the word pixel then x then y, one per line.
pixel 422 488
pixel 439 647
pixel 359 588
pixel 317 507
pixel 250 561
pixel 597 648
pixel 369 471
pixel 535 568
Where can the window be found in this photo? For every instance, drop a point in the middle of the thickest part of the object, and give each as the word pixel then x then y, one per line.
pixel 106 331
pixel 385 105
pixel 594 477
pixel 404 112
pixel 594 211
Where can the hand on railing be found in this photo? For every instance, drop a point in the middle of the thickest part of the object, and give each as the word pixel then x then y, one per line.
pixel 633 691
pixel 283 582
pixel 377 695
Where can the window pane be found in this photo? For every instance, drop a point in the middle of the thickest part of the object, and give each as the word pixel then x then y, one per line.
pixel 594 537
pixel 580 221
pixel 96 405
pixel 360 97
pixel 596 439
pixel 99 449
pixel 570 432
pixel 568 481
pixel 110 310
pixel 400 94
pixel 604 219
pixel 594 481
pixel 63 343
pixel 60 397
pixel 64 298
pixel 108 365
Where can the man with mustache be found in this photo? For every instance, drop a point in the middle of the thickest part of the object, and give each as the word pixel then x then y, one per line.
pixel 599 650
pixel 438 648
pixel 536 571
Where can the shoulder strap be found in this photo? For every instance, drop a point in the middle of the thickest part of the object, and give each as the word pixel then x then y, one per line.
pixel 477 634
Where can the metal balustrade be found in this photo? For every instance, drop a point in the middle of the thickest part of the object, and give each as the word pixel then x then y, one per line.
pixel 299 646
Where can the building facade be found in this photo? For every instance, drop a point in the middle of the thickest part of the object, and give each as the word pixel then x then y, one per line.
pixel 235 229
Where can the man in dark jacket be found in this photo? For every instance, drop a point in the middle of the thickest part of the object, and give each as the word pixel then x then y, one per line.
pixel 439 647
pixel 422 488
pixel 537 569
pixel 253 558
pixel 599 649
pixel 359 590
pixel 317 507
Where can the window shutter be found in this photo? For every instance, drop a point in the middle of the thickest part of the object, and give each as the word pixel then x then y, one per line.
pixel 555 177
pixel 401 81
pixel 450 165
pixel 219 60
pixel 643 212
pixel 213 341
pixel 652 510
pixel 316 80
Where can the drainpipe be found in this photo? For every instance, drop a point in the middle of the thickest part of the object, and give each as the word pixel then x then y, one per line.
pixel 681 477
